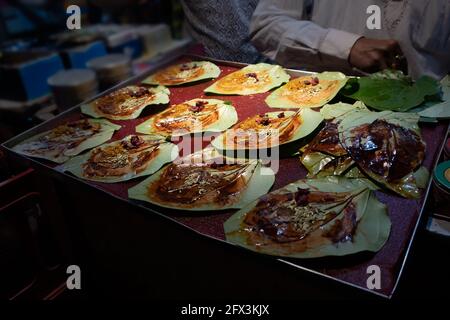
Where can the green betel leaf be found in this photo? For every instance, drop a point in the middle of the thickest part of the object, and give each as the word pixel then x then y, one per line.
pixel 184 73
pixel 252 136
pixel 391 94
pixel 324 155
pixel 439 110
pixel 177 116
pixel 252 79
pixel 120 105
pixel 205 181
pixel 321 165
pixel 360 117
pixel 387 147
pixel 307 91
pixel 315 162
pixel 410 185
pixel 67 140
pixel 312 218
pixel 121 160
pixel 337 110
pixel 391 74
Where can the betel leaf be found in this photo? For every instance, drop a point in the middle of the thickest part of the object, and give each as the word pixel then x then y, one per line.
pixel 305 92
pixel 59 144
pixel 440 110
pixel 315 162
pixel 161 150
pixel 323 156
pixel 309 120
pixel 226 117
pixel 131 107
pixel 332 111
pixel 238 183
pixel 312 218
pixel 391 94
pixel 184 73
pixel 252 79
pixel 320 164
pixel 391 74
pixel 387 147
pixel 360 117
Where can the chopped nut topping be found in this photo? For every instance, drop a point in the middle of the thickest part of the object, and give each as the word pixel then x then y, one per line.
pixel 139 92
pixel 186 67
pixel 265 121
pixel 252 75
pixel 199 106
pixel 135 142
pixel 305 217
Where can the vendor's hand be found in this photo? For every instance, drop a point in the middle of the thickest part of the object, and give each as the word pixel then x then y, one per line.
pixel 372 55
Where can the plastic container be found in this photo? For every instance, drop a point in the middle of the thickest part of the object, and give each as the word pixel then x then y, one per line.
pixel 441 189
pixel 111 69
pixel 71 87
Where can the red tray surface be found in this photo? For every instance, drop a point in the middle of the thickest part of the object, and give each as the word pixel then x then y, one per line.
pixel 403 213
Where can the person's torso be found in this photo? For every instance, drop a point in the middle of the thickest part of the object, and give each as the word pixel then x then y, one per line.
pixel 422 28
pixel 222 27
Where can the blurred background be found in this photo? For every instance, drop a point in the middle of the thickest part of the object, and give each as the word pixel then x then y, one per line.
pixel 46 68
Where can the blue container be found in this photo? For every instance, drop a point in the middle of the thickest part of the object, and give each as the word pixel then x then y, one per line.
pixel 77 57
pixel 131 47
pixel 28 80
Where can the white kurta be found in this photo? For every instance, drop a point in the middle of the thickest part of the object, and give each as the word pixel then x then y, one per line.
pixel 321 38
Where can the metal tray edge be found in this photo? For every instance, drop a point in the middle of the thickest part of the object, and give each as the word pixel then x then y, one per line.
pixel 165 61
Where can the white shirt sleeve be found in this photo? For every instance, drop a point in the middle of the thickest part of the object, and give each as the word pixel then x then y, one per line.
pixel 281 31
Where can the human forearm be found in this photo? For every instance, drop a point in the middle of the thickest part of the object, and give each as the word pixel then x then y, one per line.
pixel 280 31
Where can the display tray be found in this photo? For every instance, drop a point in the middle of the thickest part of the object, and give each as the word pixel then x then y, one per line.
pixel 405 214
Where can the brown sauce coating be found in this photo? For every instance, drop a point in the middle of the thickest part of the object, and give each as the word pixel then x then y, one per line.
pixel 386 149
pixel 64 137
pixel 179 74
pixel 327 141
pixel 186 117
pixel 120 159
pixel 240 80
pixel 198 184
pixel 292 217
pixel 308 90
pixel 124 101
pixel 260 131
